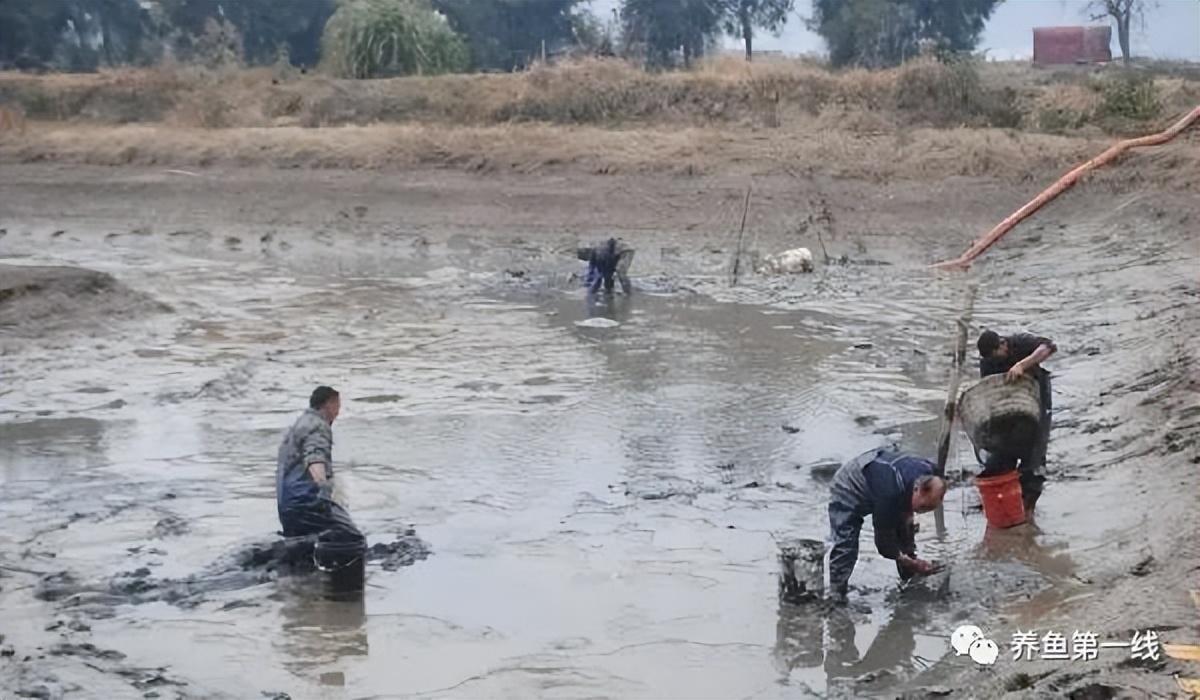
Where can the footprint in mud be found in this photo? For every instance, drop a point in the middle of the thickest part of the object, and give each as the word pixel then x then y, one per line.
pixel 549 399
pixel 662 488
pixel 140 232
pixel 171 526
pixel 191 236
pixel 381 398
pixel 480 386
pixel 86 650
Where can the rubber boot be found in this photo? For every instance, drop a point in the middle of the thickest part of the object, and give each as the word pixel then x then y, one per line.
pixel 1029 500
pixel 1031 491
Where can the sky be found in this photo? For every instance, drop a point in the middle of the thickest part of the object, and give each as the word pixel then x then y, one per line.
pixel 1172 28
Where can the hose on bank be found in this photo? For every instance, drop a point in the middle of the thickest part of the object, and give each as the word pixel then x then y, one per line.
pixel 1063 184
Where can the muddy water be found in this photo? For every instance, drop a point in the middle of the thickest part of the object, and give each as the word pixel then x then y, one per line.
pixel 601 502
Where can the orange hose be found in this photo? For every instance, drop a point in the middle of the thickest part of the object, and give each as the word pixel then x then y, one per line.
pixel 1064 183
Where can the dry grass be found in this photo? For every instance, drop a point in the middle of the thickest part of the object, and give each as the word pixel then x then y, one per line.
pixel 923 119
pixel 599 92
pixel 921 153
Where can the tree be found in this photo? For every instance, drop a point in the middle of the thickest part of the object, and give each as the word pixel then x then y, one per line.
pixel 742 16
pixel 1123 12
pixel 72 34
pixel 876 33
pixel 596 36
pixel 380 38
pixel 507 34
pixel 663 27
pixel 265 26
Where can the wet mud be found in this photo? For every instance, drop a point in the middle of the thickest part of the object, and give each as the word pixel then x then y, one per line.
pixel 599 487
pixel 39 299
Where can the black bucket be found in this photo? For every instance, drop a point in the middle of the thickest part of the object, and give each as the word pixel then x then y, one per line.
pixel 342 565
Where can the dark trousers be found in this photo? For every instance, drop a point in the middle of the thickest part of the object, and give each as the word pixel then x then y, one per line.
pixel 1030 465
pixel 323 518
pixel 598 275
pixel 845 527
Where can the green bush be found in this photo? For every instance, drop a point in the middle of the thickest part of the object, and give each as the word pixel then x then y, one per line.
pixel 382 38
pixel 1060 120
pixel 1130 96
pixel 949 91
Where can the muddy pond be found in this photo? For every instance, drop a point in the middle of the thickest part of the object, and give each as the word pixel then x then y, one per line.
pixel 600 501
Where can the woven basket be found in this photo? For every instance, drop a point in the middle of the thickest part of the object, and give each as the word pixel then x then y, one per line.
pixel 1001 417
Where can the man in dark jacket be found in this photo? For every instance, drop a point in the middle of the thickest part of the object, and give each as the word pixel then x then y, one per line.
pixel 890 487
pixel 606 260
pixel 304 475
pixel 1016 356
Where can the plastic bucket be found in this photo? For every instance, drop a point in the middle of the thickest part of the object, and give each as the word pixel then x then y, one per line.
pixel 343 567
pixel 1001 496
pixel 802 570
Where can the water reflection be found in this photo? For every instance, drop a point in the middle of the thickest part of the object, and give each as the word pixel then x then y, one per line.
pixel 1021 543
pixel 614 307
pixel 320 635
pixel 826 639
pixel 1054 568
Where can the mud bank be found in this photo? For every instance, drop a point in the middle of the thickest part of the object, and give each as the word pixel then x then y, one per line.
pixel 604 501
pixel 41 299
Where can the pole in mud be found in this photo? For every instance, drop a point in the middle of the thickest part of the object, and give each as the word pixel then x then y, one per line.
pixel 737 255
pixel 947 429
pixel 960 359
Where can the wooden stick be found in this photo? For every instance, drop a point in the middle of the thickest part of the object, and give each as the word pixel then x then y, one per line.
pixel 737 259
pixel 822 242
pixel 960 359
pixel 947 429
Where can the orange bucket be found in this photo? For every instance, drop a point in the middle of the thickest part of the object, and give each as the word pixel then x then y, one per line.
pixel 1001 496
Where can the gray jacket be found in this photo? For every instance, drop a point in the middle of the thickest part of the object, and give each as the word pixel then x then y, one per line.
pixel 309 440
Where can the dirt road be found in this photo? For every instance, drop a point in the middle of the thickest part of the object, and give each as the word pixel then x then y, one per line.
pixel 599 503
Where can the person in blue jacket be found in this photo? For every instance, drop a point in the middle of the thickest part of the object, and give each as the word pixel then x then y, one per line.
pixel 607 260
pixel 888 486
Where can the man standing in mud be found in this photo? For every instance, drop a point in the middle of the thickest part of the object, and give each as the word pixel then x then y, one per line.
pixel 1016 356
pixel 606 260
pixel 304 475
pixel 890 487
